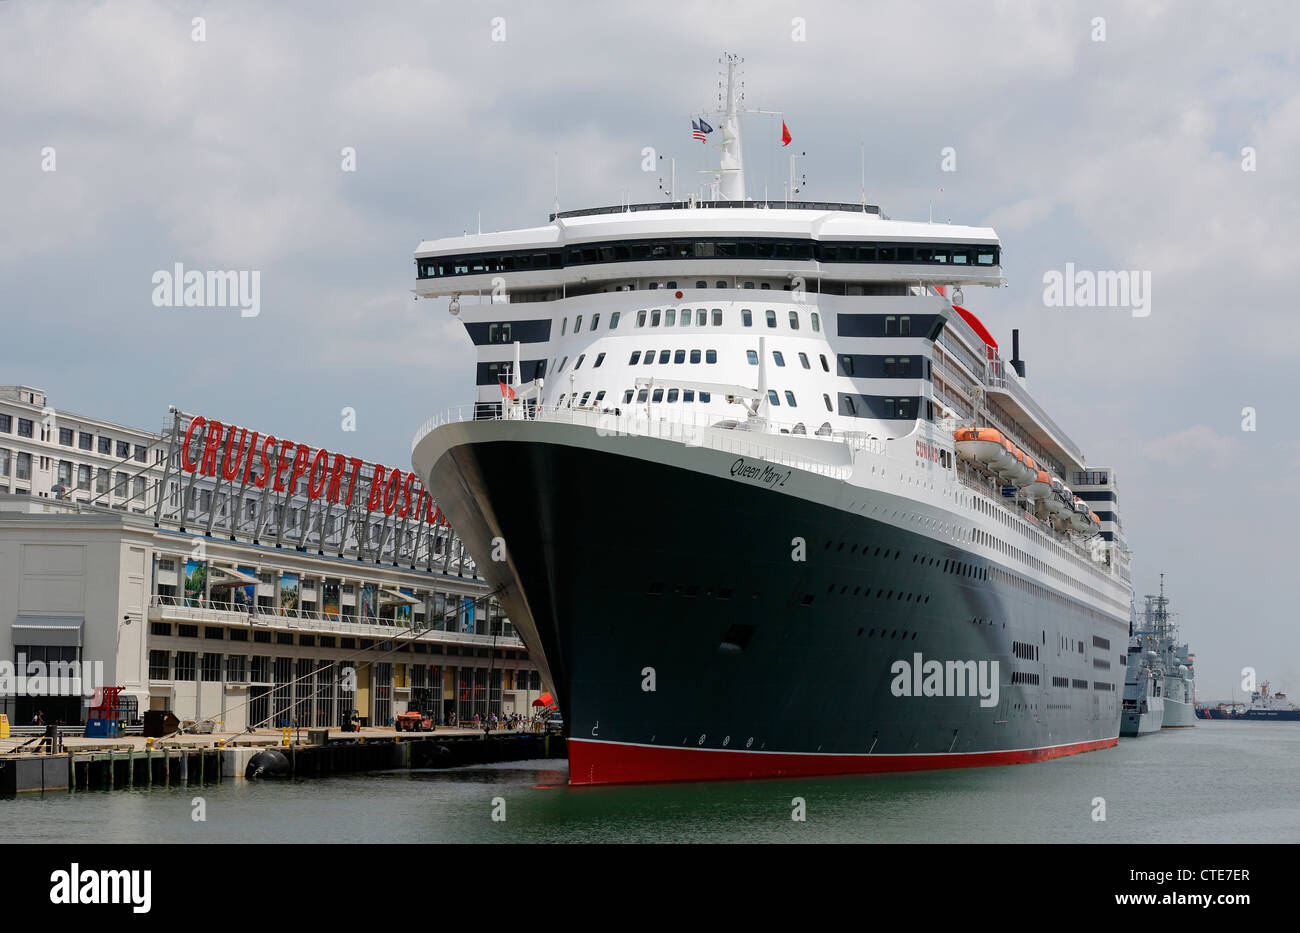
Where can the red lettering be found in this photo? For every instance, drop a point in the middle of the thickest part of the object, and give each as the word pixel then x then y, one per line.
pixel 211 449
pixel 280 463
pixel 268 444
pixel 406 496
pixel 375 499
pixel 352 480
pixel 228 470
pixel 392 486
pixel 322 460
pixel 299 467
pixel 339 462
pixel 419 505
pixel 431 512
pixel 252 450
pixel 188 465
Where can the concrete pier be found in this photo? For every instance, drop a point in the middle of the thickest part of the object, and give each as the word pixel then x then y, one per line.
pixel 112 764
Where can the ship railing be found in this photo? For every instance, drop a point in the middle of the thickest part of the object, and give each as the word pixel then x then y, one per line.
pixel 693 429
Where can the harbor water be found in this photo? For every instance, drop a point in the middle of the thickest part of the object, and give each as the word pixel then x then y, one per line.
pixel 1222 782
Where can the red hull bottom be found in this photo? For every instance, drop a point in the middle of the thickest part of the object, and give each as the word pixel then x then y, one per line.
pixel 616 763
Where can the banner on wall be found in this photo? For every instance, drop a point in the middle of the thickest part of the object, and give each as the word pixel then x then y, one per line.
pixel 403 610
pixel 288 593
pixel 369 601
pixel 196 579
pixel 331 599
pixel 245 597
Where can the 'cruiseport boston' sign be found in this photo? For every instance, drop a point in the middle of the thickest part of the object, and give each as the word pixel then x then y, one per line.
pixel 224 477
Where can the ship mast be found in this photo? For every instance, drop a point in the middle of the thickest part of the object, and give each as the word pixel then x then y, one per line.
pixel 732 173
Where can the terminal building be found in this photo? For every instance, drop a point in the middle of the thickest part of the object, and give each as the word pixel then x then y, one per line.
pixel 233 577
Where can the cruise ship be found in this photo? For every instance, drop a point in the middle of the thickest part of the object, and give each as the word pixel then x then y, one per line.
pixel 764 497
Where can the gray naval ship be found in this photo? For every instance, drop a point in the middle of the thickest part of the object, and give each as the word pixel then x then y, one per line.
pixel 1160 669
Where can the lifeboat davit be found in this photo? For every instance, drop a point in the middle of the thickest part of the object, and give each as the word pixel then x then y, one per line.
pixel 1022 473
pixel 1041 487
pixel 1079 519
pixel 983 445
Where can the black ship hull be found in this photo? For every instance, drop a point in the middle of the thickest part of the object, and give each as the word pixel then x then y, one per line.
pixel 687 636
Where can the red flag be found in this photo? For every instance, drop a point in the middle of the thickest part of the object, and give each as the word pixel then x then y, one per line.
pixel 506 391
pixel 785 134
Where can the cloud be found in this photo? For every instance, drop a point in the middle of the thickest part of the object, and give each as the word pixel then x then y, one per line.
pixel 1198 447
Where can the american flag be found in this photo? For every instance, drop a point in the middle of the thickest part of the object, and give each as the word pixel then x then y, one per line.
pixel 700 129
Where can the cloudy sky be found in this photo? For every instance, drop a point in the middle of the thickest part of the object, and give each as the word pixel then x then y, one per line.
pixel 1122 154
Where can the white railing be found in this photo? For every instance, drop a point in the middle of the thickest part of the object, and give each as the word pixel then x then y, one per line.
pixel 692 429
pixel 174 608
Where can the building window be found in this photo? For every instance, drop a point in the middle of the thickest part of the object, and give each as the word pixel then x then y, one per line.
pixel 235 668
pixel 24 427
pixel 185 665
pixel 211 672
pixel 24 468
pixel 6 423
pixel 65 437
pixel 4 462
pixel 140 453
pixel 85 441
pixel 123 450
pixel 158 665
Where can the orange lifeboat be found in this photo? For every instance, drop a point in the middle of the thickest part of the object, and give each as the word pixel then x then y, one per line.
pixel 983 445
pixel 1041 487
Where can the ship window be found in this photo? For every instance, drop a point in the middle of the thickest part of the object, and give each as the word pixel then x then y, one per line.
pixel 613 320
pixel 585 396
pixel 794 320
pixel 577 323
pixel 640 319
pixel 748 285
pixel 672 395
pixel 891 326
pixel 600 358
pixel 846 365
pixel 803 360
pixel 789 399
pixel 717 317
pixel 649 357
pixel 560 403
pixel 701 284
pixel 600 396
pixel 636 358
pixel 851 408
pixel 827 399
pixel 564 323
pixel 686 317
pixel 641 396
pixel 560 368
pixel 765 285
pixel 695 356
pixel 885 254
pixel 654 318
pixel 752 357
pixel 985 257
pixel 778 358
pixel 679 356
pixel 746 317
pixel 705 396
pixel 688 395
pixel 816 322
pixel 627 397
pixel 670 317
pixel 710 356
pixel 889 366
pixel 658 396
pixel 772 397
pixel 595 319
pixel 664 356
pixel 905 326
pixel 825 367
pixel 771 318
pixel 904 366
pixel 719 284
pixel 578 364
